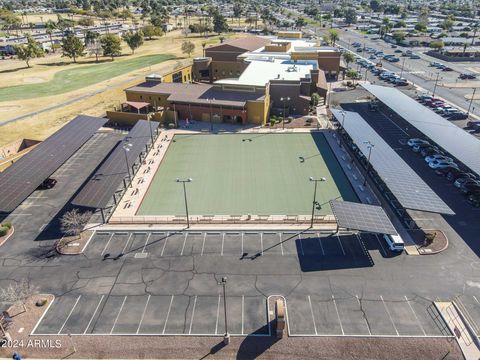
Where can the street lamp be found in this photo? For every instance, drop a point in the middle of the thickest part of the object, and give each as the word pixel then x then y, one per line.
pixel 126 148
pixel 370 146
pixel 403 65
pixel 314 203
pixel 471 100
pixel 211 114
pixel 284 99
pixel 226 336
pixel 436 82
pixel 185 196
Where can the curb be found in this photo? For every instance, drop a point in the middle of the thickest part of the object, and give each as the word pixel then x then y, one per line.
pixel 8 236
pixel 437 251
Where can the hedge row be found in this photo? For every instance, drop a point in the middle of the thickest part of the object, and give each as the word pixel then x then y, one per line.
pixel 4 228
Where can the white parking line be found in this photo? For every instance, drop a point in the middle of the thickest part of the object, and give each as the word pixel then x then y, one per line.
pixel 242 245
pixel 43 227
pixel 69 314
pixel 184 242
pixel 118 315
pixel 243 313
pixel 320 242
pixel 126 244
pixel 340 242
pixel 415 314
pixel 364 318
pixel 381 245
pixel 476 299
pixel 146 242
pixel 338 315
pixel 313 317
pixel 281 242
pixel 165 244
pixel 168 314
pixel 94 313
pixel 193 314
pixel 143 314
pixel 223 241
pixel 218 313
pixel 261 246
pixel 203 243
pixel 390 316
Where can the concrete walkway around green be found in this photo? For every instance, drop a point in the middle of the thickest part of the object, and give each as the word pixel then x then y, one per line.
pixel 239 174
pixel 76 77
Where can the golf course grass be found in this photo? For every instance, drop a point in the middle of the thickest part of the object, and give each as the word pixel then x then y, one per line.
pixel 239 174
pixel 79 77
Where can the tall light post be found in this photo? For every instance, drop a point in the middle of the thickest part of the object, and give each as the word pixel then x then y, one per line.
pixel 126 148
pixel 185 196
pixel 471 100
pixel 436 82
pixel 284 99
pixel 211 115
pixel 314 203
pixel 370 146
pixel 226 336
pixel 149 118
pixel 403 65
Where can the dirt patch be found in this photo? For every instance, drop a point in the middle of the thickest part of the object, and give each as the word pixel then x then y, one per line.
pixel 309 121
pixel 73 245
pixel 439 243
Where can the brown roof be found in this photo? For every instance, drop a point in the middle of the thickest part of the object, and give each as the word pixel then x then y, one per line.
pixel 197 93
pixel 249 43
pixel 322 80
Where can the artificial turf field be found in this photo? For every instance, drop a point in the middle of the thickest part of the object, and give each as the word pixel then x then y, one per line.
pixel 239 174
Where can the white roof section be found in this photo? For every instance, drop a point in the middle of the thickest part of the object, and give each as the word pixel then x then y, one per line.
pixel 260 72
pixel 460 144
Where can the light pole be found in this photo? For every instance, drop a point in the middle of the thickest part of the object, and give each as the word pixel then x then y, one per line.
pixel 435 87
pixel 226 336
pixel 471 100
pixel 370 146
pixel 284 99
pixel 185 196
pixel 211 115
pixel 314 203
pixel 126 148
pixel 149 118
pixel 403 65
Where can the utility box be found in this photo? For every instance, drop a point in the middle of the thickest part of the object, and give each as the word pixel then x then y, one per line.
pixel 279 318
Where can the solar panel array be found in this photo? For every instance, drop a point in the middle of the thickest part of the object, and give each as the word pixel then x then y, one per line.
pixel 460 144
pixel 409 189
pixel 99 190
pixel 19 180
pixel 364 217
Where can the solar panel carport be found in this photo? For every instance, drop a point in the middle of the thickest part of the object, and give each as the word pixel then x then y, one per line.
pixel 404 183
pixel 99 190
pixel 460 144
pixel 364 217
pixel 19 180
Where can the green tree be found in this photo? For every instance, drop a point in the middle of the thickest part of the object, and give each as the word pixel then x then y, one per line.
pixel 314 99
pixel 111 45
pixel 29 51
pixel 150 31
pixel 93 44
pixel 437 45
pixel 421 27
pixel 219 22
pixel 188 47
pixel 86 21
pixel 50 26
pixel 374 5
pixel 399 36
pixel 400 24
pixel 350 16
pixel 348 57
pixel 238 10
pixel 133 39
pixel 73 47
pixel 300 23
pixel 332 36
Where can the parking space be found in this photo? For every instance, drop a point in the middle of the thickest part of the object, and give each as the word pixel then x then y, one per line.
pixel 156 315
pixel 369 316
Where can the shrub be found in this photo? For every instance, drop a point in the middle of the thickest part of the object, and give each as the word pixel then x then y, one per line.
pixel 272 122
pixel 7 224
pixel 3 231
pixel 41 302
pixel 171 125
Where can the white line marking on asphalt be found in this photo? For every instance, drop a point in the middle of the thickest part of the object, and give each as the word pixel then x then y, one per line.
pixel 381 245
pixel 320 242
pixel 340 242
pixel 203 243
pixel 338 315
pixel 184 242
pixel 43 227
pixel 390 316
pixel 313 317
pixel 242 245
pixel 146 242
pixel 281 242
pixel 243 313
pixel 168 314
pixel 143 314
pixel 193 314
pixel 69 314
pixel 364 318
pixel 165 244
pixel 218 313
pixel 118 315
pixel 126 244
pixel 223 241
pixel 261 247
pixel 388 118
pixel 415 314
pixel 476 299
pixel 301 245
pixel 94 313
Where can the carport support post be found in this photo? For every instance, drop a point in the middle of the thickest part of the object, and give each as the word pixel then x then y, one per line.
pixel 226 336
pixel 103 214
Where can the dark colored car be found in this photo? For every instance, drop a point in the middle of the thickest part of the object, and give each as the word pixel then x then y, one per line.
pixel 470 188
pixel 444 171
pixel 457 116
pixel 47 184
pixel 430 150
pixel 467 76
pixel 455 174
pixel 474 200
pixel 447 69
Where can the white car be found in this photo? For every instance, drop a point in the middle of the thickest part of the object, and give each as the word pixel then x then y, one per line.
pixel 395 242
pixel 440 164
pixel 437 157
pixel 413 142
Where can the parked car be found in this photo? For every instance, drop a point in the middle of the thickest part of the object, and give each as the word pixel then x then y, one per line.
pixel 475 125
pixel 435 64
pixel 437 157
pixel 474 199
pixel 444 171
pixel 430 150
pixel 418 148
pixel 401 82
pixel 414 141
pixel 455 173
pixel 470 188
pixel 467 76
pixel 393 46
pixel 438 164
pixel 47 184
pixel 395 242
pixel 457 116
pixel 446 68
pixel 393 59
pixel 465 181
pixel 422 98
pixel 414 57
pixel 398 51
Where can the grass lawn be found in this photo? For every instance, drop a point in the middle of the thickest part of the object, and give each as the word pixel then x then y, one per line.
pixel 243 174
pixel 77 77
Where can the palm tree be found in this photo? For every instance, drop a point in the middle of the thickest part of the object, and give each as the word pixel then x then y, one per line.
pixel 348 57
